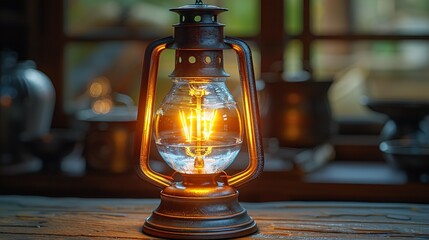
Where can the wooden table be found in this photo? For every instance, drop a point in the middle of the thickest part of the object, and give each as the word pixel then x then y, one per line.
pixel 29 217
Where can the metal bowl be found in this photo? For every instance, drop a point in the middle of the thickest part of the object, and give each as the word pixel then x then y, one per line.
pixel 399 109
pixel 412 156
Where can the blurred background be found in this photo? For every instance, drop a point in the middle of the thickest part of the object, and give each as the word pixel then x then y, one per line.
pixel 343 90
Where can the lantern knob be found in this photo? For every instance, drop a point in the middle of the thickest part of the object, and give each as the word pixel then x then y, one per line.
pixel 198 41
pixel 198 28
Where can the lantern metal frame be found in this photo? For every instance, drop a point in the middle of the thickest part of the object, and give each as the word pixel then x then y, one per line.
pixel 201 206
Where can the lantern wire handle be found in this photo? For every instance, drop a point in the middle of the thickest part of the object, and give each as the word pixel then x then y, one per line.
pixel 251 114
pixel 144 118
pixel 199 2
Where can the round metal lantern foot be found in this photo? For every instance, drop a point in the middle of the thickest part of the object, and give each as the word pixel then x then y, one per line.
pixel 196 217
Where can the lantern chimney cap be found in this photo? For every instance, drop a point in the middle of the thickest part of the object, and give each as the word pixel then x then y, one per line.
pixel 199 8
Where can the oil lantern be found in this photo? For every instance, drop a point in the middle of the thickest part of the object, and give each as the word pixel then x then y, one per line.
pixel 198 130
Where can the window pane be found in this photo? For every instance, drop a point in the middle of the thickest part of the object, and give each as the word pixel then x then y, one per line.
pixel 150 18
pixel 370 16
pixel 329 16
pixel 117 63
pixel 242 19
pixel 293 58
pixel 408 57
pixel 105 17
pixel 330 57
pixel 378 69
pixel 293 16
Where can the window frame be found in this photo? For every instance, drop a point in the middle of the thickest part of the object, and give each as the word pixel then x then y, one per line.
pixel 48 31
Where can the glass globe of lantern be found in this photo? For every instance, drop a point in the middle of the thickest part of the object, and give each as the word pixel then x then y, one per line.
pixel 198 128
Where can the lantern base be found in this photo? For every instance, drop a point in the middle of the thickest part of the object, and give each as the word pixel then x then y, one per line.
pixel 208 212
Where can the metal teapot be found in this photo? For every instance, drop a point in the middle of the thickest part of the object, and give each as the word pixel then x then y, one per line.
pixel 27 99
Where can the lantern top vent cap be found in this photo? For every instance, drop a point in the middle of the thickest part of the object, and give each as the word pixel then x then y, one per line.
pixel 199 8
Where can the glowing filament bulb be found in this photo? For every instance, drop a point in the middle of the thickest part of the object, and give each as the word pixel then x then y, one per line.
pixel 197 127
pixel 208 121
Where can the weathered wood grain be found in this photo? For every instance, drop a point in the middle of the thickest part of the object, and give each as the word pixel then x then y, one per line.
pixel 23 217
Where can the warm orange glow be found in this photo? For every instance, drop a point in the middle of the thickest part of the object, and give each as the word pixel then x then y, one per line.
pixel 294 98
pixel 249 119
pixel 250 115
pixel 100 91
pixel 189 122
pixel 156 178
pixel 292 133
pixel 292 117
pixel 6 101
pixel 96 89
pixel 120 137
pixel 99 87
pixel 202 191
pixel 102 106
